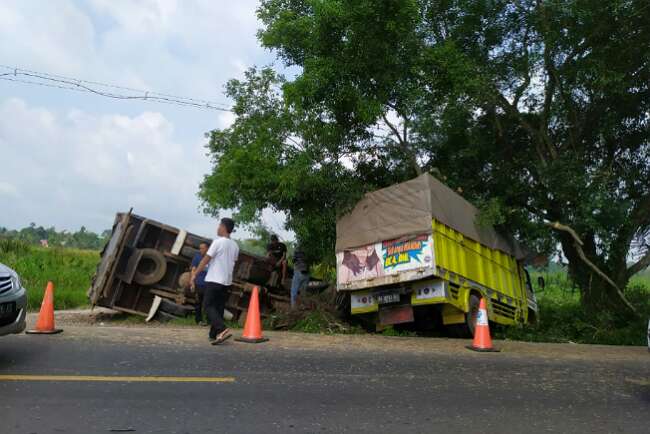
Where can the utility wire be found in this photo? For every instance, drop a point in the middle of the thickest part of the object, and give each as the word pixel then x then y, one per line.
pixel 94 87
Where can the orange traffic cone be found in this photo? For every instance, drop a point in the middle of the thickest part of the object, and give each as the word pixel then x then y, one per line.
pixel 253 327
pixel 45 322
pixel 482 340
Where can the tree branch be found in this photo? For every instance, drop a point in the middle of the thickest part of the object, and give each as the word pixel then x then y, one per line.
pixel 394 129
pixel 402 141
pixel 560 227
pixel 640 215
pixel 535 135
pixel 578 245
pixel 523 86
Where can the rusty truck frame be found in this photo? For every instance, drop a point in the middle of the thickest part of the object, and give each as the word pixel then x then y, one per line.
pixel 145 259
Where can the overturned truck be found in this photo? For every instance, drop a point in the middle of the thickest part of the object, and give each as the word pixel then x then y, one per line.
pixel 144 268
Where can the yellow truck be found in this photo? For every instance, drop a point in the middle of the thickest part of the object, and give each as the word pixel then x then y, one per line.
pixel 414 252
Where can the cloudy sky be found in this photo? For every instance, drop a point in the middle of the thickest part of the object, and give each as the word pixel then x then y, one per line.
pixel 70 158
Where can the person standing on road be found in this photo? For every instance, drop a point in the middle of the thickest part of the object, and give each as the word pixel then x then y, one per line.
pixel 198 284
pixel 300 274
pixel 221 257
pixel 277 252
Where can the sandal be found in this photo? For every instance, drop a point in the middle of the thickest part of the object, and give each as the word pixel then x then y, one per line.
pixel 222 337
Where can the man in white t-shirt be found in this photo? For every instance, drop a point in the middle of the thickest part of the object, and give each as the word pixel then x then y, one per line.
pixel 222 255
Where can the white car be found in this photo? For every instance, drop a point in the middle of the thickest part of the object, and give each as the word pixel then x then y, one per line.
pixel 13 302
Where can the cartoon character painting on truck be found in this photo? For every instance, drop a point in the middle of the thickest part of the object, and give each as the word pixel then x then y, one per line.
pixel 436 276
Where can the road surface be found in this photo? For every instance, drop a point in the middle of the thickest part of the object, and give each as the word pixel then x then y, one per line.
pixel 93 379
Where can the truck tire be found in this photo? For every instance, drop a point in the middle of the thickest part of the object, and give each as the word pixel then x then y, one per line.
pixel 188 252
pixel 466 330
pixel 151 267
pixel 175 309
pixel 164 317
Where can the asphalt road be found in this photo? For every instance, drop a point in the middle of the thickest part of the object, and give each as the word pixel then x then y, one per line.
pixel 313 384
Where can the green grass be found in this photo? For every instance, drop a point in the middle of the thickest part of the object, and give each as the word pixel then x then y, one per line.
pixel 563 320
pixel 70 269
pixel 392 331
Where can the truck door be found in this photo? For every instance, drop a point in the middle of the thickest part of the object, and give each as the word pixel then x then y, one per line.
pixel 530 293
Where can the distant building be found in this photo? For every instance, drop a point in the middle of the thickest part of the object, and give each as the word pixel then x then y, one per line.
pixel 44 243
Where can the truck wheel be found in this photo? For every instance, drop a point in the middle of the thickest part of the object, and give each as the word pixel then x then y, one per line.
pixel 175 309
pixel 151 267
pixel 188 252
pixel 466 330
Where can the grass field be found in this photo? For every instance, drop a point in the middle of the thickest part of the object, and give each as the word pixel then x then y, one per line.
pixel 69 269
pixel 563 320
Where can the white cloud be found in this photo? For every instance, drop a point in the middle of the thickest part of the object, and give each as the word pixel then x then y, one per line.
pixel 225 119
pixel 8 189
pixel 46 34
pixel 188 47
pixel 79 168
pixel 74 159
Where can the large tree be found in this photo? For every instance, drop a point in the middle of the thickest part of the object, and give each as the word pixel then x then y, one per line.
pixel 536 110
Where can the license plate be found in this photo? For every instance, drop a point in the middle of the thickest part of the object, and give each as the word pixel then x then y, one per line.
pixel 7 308
pixel 391 297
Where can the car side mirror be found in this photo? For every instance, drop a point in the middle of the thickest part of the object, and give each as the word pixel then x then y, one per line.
pixel 541 283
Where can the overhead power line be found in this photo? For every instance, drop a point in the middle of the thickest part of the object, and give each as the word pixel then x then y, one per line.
pixel 26 76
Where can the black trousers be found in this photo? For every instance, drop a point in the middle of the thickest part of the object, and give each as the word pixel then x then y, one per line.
pixel 198 307
pixel 214 302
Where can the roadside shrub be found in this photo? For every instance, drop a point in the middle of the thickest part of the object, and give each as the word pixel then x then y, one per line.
pixel 11 246
pixel 562 319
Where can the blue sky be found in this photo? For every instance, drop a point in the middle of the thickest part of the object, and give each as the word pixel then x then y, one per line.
pixel 72 159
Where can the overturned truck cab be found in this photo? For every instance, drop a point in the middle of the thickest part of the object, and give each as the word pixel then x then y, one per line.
pixel 145 260
pixel 414 252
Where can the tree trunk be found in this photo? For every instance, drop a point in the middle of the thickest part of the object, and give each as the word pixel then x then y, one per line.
pixel 596 294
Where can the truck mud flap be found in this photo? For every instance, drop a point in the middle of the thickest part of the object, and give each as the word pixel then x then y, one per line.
pixel 399 314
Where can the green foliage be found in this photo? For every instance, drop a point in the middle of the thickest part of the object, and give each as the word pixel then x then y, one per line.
pixel 562 318
pixel 314 322
pixel 392 331
pixel 491 212
pixel 82 239
pixel 537 110
pixel 324 272
pixel 262 237
pixel 295 175
pixel 70 269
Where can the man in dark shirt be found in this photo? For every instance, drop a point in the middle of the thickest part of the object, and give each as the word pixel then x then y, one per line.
pixel 277 252
pixel 300 274
pixel 199 283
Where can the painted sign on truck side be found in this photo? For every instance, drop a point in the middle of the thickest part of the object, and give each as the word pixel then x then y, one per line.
pixel 380 263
